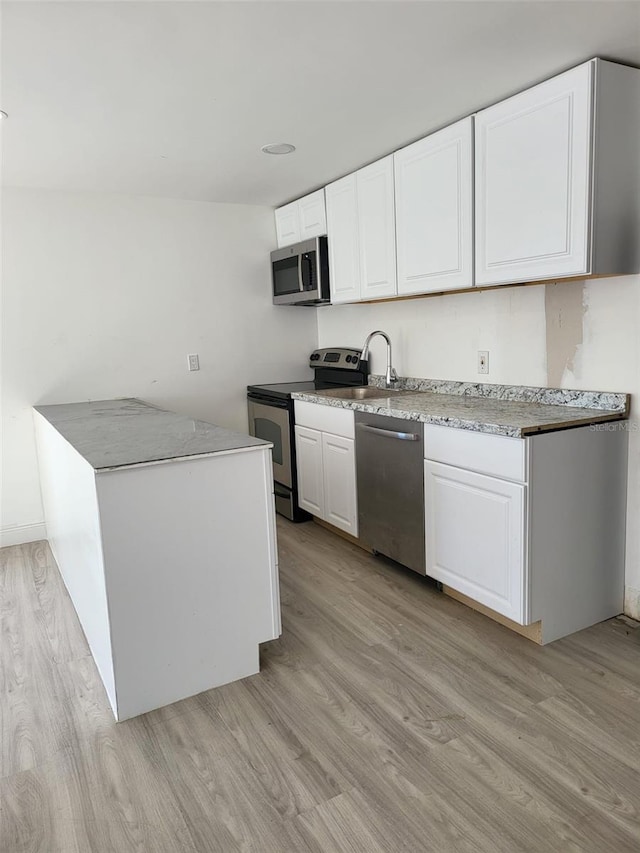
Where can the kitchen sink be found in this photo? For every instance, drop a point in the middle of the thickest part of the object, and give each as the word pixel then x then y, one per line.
pixel 366 392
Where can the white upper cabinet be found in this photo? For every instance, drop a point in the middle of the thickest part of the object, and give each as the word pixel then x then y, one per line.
pixel 434 211
pixel 533 158
pixel 376 229
pixel 312 215
pixel 288 224
pixel 343 239
pixel 556 175
pixel 301 219
pixel 361 234
pixel 553 169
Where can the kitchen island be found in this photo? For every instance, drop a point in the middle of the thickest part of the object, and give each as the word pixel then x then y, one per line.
pixel 163 530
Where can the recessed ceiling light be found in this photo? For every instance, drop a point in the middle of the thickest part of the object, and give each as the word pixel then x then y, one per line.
pixel 3 114
pixel 278 148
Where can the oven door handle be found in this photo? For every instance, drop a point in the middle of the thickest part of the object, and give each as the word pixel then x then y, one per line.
pixel 268 401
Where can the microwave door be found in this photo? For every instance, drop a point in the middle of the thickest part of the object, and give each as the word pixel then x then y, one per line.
pixel 298 273
pixel 287 277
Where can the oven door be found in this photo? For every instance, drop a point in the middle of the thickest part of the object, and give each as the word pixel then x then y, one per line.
pixel 271 423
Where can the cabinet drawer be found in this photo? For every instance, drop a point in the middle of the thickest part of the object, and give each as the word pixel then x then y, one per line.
pixel 496 455
pixel 325 418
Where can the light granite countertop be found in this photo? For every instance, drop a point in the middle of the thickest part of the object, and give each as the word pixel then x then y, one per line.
pixel 120 433
pixel 515 411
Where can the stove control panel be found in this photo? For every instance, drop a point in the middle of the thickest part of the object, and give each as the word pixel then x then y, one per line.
pixel 343 358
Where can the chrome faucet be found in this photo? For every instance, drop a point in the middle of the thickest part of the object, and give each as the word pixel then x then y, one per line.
pixel 391 377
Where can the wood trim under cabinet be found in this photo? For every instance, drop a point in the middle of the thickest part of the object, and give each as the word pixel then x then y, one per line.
pixel 343 534
pixel 474 289
pixel 531 632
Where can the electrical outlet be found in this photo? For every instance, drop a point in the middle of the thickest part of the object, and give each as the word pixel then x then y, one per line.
pixel 193 361
pixel 483 361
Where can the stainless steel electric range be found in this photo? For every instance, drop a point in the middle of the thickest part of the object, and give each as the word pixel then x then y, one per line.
pixel 272 417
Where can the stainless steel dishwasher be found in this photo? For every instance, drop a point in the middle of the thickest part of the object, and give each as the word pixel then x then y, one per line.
pixel 390 476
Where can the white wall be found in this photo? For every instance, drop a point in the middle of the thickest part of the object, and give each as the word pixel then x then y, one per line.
pixel 105 295
pixel 573 335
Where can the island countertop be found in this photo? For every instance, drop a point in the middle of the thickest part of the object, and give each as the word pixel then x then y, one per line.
pixel 515 411
pixel 120 433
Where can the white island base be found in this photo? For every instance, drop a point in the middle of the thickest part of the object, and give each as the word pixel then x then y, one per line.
pixel 171 565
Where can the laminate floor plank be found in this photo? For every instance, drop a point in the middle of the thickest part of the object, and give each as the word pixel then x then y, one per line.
pixel 227 803
pixel 557 758
pixel 34 721
pixel 295 781
pixel 388 717
pixel 348 823
pixel 63 630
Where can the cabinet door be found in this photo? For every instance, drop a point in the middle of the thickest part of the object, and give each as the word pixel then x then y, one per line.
pixel 342 233
pixel 309 467
pixel 313 219
pixel 434 211
pixel 376 229
pixel 475 536
pixel 339 466
pixel 533 163
pixel 287 224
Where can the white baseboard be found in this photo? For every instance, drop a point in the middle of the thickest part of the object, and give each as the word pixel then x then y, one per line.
pixel 632 602
pixel 19 534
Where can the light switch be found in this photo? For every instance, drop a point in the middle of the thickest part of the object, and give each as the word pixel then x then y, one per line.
pixel 483 361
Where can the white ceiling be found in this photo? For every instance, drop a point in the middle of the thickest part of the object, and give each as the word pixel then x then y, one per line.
pixel 175 99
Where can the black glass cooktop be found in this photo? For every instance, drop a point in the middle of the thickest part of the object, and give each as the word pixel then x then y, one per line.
pixel 281 390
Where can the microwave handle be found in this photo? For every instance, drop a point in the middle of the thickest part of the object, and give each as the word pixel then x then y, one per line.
pixel 300 282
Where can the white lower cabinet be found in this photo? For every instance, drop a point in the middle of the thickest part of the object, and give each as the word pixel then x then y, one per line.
pixel 475 536
pixel 532 528
pixel 339 470
pixel 309 466
pixel 326 465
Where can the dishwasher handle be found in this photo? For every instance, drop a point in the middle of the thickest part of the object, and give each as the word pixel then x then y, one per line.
pixel 389 433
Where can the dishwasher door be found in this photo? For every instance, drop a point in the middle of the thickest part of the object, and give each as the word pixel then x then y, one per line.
pixel 390 476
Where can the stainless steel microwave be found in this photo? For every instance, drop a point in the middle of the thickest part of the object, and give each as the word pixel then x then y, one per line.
pixel 300 273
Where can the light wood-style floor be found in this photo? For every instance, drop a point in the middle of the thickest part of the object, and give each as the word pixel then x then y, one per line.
pixel 387 718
